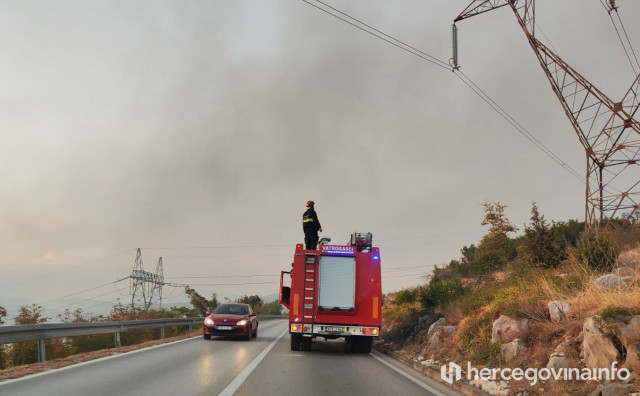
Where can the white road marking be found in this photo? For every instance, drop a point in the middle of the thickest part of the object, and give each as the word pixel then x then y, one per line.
pixel 115 355
pixel 237 382
pixel 410 378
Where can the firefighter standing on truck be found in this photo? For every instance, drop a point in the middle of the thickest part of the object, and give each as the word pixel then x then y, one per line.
pixel 311 227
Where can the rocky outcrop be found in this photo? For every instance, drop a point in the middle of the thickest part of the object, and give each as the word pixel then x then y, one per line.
pixel 624 271
pixel 508 329
pixel 629 258
pixel 630 337
pixel 559 311
pixel 598 349
pixel 441 333
pixel 613 390
pixel 558 358
pixel 439 323
pixel 613 282
pixel 512 350
pixel 500 388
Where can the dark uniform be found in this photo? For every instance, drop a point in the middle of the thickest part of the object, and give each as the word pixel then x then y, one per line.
pixel 310 226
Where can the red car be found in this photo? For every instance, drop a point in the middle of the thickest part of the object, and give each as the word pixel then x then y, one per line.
pixel 231 319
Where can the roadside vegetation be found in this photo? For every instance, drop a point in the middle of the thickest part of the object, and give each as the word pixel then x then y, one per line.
pixel 517 276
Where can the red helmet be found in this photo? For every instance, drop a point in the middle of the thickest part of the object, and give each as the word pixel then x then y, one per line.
pixel 310 203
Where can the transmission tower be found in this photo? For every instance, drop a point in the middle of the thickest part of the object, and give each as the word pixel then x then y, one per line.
pixel 146 287
pixel 606 128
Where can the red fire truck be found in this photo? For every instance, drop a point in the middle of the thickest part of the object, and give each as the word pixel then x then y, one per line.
pixel 334 292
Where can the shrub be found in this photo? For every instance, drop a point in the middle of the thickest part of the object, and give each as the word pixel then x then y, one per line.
pixel 407 296
pixel 439 292
pixel 596 250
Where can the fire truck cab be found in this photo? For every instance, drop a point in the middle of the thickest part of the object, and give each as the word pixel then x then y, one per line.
pixel 334 292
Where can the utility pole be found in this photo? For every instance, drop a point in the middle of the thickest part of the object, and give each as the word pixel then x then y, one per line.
pixel 607 129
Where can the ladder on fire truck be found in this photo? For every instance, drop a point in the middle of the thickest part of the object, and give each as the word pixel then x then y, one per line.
pixel 309 297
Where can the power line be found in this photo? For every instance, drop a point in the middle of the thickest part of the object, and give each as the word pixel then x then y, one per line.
pixel 232 284
pixel 609 10
pixel 218 276
pixel 213 247
pixel 83 291
pixel 88 299
pixel 418 53
pixel 435 60
pixel 628 40
pixel 466 80
pixel 522 130
pixel 232 256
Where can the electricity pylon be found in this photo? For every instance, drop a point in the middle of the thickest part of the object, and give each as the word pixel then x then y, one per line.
pixel 146 287
pixel 606 128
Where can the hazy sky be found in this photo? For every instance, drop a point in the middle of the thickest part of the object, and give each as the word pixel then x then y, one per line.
pixel 198 130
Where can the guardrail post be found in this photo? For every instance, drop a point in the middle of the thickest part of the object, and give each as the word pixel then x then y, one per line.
pixel 42 354
pixel 118 343
pixel 162 333
pixel 190 327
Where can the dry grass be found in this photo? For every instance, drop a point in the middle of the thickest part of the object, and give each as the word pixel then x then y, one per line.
pixel 591 298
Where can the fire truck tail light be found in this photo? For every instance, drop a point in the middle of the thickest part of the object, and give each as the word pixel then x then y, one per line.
pixel 373 331
pixel 298 328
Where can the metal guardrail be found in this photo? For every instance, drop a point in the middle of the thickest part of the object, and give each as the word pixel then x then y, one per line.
pixel 41 332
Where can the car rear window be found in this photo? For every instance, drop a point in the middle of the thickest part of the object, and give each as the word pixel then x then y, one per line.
pixel 232 310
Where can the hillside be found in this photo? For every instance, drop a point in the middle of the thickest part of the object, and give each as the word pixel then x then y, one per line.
pixel 553 300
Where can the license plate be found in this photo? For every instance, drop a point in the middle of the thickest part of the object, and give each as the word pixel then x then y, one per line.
pixel 225 327
pixel 333 329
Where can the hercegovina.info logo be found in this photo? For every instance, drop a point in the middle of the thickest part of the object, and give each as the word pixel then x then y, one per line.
pixel 452 372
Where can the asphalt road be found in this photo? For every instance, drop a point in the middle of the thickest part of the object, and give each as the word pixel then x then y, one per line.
pixel 265 365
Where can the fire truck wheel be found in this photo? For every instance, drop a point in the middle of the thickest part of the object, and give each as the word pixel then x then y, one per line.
pixel 365 344
pixel 305 344
pixel 295 342
pixel 350 344
pixel 207 336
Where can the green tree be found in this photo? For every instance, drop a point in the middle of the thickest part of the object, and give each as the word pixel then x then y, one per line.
pixel 26 352
pixel 30 315
pixel 81 344
pixel 200 304
pixel 567 232
pixel 539 247
pixel 495 218
pixel 496 249
pixel 181 312
pixel 467 260
pixel 255 301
